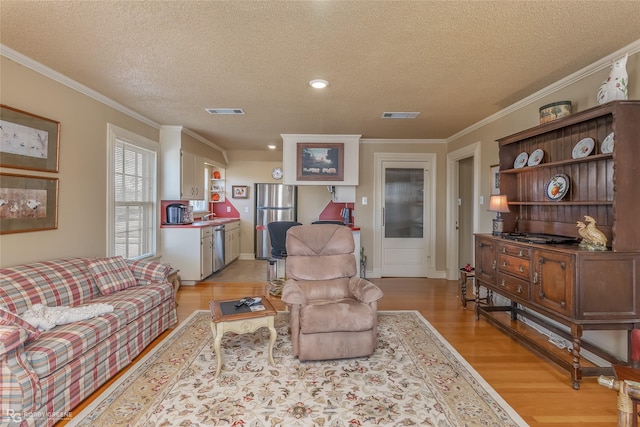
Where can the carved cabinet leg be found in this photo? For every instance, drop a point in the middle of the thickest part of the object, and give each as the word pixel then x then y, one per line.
pixel 576 371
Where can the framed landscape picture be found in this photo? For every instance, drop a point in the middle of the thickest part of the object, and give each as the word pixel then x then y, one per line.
pixel 320 162
pixel 28 203
pixel 28 141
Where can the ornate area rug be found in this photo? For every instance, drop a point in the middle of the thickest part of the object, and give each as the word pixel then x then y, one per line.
pixel 414 378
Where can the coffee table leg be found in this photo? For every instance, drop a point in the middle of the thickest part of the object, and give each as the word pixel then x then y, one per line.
pixel 272 339
pixel 217 340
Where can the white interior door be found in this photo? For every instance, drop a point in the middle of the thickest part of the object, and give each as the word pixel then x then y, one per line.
pixel 405 221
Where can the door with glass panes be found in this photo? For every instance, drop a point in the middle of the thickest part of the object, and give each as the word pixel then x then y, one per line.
pixel 404 239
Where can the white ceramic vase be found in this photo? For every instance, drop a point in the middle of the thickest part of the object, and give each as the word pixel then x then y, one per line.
pixel 615 87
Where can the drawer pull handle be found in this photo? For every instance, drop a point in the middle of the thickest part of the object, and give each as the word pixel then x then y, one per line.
pixel 504 264
pixel 535 277
pixel 502 283
pixel 519 289
pixel 521 268
pixel 504 250
pixel 494 265
pixel 520 252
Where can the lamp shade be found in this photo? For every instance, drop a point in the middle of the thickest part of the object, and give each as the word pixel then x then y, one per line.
pixel 498 203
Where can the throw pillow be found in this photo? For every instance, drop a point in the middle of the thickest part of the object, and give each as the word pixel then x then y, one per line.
pixel 8 318
pixel 147 272
pixel 111 274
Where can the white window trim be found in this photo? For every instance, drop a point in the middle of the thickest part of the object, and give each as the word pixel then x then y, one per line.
pixel 114 133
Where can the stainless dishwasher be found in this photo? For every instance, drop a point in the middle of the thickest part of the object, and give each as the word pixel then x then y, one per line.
pixel 218 247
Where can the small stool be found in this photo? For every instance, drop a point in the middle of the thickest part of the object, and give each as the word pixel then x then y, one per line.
pixel 464 276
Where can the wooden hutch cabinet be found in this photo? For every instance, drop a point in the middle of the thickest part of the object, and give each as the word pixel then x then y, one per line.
pixel 538 265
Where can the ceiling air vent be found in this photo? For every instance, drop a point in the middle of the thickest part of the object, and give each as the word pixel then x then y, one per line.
pixel 224 110
pixel 399 115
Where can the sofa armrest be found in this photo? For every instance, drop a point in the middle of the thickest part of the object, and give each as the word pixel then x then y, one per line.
pixel 293 294
pixel 146 272
pixel 20 390
pixel 11 337
pixel 364 291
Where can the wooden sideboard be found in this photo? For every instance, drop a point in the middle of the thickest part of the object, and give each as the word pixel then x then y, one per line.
pixel 552 285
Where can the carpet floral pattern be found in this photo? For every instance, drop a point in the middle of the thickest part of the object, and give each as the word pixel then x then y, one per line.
pixel 413 379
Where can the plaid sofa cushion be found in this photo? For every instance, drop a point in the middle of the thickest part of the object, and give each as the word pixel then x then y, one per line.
pixel 111 274
pixel 51 283
pixel 11 319
pixel 147 272
pixel 61 345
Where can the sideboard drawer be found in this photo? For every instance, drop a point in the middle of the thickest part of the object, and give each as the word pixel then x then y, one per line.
pixel 510 285
pixel 514 265
pixel 518 251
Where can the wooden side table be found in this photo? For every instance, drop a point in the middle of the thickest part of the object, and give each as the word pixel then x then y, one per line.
pixel 225 317
pixel 174 278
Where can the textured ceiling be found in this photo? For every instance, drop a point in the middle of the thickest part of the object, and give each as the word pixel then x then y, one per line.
pixel 456 62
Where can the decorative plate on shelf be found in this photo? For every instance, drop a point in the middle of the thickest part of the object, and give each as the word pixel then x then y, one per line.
pixel 583 148
pixel 536 157
pixel 556 187
pixel 521 160
pixel 607 144
pixel 215 197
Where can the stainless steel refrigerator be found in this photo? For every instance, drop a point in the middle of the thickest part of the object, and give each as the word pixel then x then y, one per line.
pixel 274 202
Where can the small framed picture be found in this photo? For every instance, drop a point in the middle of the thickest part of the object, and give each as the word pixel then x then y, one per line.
pixel 495 179
pixel 28 203
pixel 239 192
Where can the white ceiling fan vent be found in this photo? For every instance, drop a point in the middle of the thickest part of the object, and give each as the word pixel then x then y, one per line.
pixel 399 115
pixel 224 110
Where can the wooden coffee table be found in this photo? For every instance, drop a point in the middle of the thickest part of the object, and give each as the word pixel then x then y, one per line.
pixel 225 317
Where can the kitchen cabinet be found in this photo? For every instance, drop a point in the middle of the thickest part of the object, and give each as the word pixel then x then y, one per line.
pixel 182 172
pixel 192 179
pixel 190 250
pixel 559 286
pixel 231 241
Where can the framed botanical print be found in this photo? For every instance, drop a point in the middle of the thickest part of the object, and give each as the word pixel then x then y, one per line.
pixel 28 141
pixel 495 179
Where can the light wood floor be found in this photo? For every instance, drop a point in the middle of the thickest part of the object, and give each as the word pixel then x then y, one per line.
pixel 539 391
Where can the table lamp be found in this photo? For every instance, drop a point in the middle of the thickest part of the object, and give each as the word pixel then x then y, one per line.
pixel 498 203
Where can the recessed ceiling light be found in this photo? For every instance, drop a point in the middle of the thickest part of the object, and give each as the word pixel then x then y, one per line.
pixel 318 83
pixel 271 147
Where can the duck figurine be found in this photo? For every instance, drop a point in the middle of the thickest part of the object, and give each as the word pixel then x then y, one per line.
pixel 592 238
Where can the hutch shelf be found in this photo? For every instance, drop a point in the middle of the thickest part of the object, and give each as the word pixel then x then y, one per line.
pixel 561 287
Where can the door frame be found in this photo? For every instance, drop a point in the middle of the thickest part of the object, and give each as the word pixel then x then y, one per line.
pixel 471 150
pixel 429 200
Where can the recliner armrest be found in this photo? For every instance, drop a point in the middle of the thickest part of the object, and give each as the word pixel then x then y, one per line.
pixel 292 293
pixel 364 291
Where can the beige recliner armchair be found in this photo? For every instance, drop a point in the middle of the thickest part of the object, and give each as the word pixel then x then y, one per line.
pixel 333 312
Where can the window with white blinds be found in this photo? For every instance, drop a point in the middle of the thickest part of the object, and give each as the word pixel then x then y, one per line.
pixel 133 195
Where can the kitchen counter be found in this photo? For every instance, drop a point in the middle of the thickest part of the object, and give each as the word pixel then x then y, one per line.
pixel 200 224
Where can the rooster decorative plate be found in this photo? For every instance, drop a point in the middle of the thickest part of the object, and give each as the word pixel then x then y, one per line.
pixel 556 187
pixel 521 160
pixel 583 148
pixel 607 144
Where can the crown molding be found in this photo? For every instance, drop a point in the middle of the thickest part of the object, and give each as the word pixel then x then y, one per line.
pixel 401 141
pixel 66 81
pixel 597 66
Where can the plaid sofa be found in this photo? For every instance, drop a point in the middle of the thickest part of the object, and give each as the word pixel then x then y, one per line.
pixel 45 374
